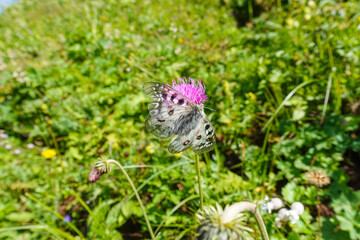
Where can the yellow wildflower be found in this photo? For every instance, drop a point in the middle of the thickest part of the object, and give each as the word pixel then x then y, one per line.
pixel 48 153
pixel 252 96
pixel 150 149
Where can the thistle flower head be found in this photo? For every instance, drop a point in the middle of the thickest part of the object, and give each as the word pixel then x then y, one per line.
pixel 195 91
pixel 101 167
pixel 318 178
pixel 214 227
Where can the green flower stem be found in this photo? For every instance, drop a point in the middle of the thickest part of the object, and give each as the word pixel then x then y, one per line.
pixel 199 182
pixel 136 194
pixel 235 209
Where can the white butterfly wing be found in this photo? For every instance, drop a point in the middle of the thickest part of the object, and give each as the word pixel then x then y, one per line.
pixel 204 138
pixel 170 113
pixel 182 142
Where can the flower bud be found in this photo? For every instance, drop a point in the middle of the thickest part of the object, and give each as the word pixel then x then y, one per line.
pixel 283 214
pixel 277 203
pixel 95 174
pixel 298 207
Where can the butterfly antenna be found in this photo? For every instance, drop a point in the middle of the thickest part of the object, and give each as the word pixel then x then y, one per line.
pixel 210 109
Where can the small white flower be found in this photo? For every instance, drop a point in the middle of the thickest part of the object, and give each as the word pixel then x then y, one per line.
pixel 267 206
pixel 30 146
pixel 17 151
pixel 173 29
pixel 278 222
pixel 274 204
pixel 298 207
pixel 283 214
pixel 8 146
pixel 311 4
pixel 277 203
pixel 177 51
pixel 293 216
pixel 4 136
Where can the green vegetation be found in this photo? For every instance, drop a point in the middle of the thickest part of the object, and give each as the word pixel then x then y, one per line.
pixel 71 76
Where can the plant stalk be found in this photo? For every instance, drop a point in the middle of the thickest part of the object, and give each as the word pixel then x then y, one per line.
pixel 318 212
pixel 136 194
pixel 199 182
pixel 230 212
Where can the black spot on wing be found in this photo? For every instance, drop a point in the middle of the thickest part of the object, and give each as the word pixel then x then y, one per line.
pixel 173 96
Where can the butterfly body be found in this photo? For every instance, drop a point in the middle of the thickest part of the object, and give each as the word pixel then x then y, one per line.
pixel 173 114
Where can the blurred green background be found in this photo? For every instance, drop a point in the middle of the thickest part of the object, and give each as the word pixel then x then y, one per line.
pixel 71 76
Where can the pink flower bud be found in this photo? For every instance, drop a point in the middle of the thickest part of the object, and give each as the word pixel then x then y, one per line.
pixel 95 174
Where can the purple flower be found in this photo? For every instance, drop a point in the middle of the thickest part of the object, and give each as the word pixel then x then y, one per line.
pixel 67 218
pixel 95 174
pixel 195 91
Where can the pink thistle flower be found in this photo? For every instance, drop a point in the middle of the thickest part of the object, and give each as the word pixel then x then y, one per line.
pixel 195 91
pixel 95 174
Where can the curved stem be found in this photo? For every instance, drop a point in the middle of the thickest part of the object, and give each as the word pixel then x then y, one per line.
pixel 233 210
pixel 136 194
pixel 199 182
pixel 261 224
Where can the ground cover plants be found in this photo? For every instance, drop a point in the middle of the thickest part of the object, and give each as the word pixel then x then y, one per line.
pixel 282 77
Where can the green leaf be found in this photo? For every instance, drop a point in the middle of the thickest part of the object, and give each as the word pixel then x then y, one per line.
pixel 20 217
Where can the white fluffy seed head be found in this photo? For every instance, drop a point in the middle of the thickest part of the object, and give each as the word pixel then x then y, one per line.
pixel 298 207
pixel 277 203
